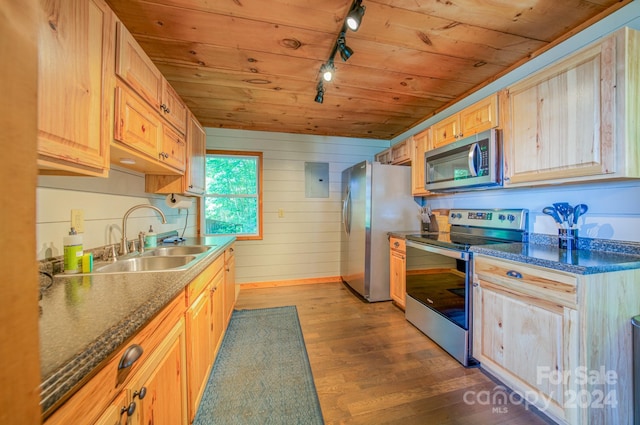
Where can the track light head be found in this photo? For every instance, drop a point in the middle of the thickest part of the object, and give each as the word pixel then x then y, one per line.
pixel 320 92
pixel 354 18
pixel 327 70
pixel 345 51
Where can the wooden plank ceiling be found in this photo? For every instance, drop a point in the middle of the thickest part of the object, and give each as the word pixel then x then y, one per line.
pixel 254 64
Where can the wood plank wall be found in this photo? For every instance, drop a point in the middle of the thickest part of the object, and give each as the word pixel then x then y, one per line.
pixel 104 201
pixel 305 242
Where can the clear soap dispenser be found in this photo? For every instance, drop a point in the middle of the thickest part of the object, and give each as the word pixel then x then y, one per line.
pixel 151 239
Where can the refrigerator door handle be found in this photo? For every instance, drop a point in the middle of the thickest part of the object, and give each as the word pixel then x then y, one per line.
pixel 346 213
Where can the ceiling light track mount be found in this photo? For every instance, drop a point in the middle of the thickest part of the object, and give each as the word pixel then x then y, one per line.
pixel 351 22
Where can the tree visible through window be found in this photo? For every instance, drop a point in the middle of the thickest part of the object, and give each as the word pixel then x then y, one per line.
pixel 233 198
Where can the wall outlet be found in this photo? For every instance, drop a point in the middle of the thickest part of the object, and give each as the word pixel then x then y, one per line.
pixel 280 213
pixel 77 220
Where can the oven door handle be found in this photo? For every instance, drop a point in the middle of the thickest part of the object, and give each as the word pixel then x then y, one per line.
pixel 458 255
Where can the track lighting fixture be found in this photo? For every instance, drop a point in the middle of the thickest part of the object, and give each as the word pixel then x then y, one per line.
pixel 345 51
pixel 320 92
pixel 352 21
pixel 354 18
pixel 327 70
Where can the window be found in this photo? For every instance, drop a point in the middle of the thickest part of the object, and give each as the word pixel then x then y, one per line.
pixel 233 197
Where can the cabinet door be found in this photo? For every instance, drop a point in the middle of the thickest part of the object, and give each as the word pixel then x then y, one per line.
pixel 173 149
pixel 173 108
pixel 561 120
pixel 384 157
pixel 525 345
pixel 446 131
pixel 480 116
pixel 195 174
pixel 420 146
pixel 199 349
pixel 397 277
pixel 218 321
pixel 135 68
pixel 401 152
pixel 116 413
pixel 229 283
pixel 159 389
pixel 75 86
pixel 136 125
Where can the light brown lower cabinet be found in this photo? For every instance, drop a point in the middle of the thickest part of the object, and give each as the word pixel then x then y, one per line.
pixel 397 271
pixel 159 388
pixel 164 385
pixel 203 331
pixel 229 282
pixel 155 395
pixel 560 340
pixel 114 415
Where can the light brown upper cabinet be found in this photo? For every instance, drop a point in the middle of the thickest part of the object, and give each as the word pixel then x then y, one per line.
pixel 193 180
pixel 398 154
pixel 141 140
pixel 75 87
pixel 135 68
pixel 576 120
pixel 384 157
pixel 421 143
pixel 173 108
pixel 401 152
pixel 478 117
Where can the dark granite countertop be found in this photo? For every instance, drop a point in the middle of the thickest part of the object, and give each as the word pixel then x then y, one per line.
pixel 579 261
pixel 85 318
pixel 592 256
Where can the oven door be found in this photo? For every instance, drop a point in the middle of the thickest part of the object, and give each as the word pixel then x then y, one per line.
pixel 438 285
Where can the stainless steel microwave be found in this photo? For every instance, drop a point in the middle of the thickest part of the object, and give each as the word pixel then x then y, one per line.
pixel 471 163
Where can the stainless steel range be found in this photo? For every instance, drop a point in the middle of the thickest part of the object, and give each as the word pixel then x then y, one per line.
pixel 440 273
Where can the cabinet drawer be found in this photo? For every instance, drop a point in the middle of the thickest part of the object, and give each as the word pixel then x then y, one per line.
pixel 397 244
pixel 547 285
pixel 197 285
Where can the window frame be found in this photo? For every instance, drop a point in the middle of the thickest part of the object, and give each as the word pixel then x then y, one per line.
pixel 259 156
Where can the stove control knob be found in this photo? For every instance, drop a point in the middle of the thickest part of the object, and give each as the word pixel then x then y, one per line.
pixel 501 217
pixel 511 217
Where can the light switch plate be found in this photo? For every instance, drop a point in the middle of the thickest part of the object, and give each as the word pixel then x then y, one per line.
pixel 77 220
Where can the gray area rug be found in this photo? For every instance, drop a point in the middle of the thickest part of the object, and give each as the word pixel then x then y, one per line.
pixel 262 373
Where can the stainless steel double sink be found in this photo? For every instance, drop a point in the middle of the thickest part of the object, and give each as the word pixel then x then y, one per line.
pixel 162 258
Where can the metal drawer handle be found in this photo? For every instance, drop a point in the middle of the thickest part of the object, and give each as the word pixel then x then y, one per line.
pixel 513 273
pixel 141 394
pixel 129 410
pixel 132 353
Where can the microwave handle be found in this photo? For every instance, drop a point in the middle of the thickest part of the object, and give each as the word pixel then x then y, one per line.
pixel 474 151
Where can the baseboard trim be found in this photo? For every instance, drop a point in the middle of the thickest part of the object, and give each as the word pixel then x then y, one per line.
pixel 276 283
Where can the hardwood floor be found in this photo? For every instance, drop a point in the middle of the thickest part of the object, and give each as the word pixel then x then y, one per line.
pixel 371 366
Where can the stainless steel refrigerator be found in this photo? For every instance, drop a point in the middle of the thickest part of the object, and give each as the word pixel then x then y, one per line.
pixel 376 199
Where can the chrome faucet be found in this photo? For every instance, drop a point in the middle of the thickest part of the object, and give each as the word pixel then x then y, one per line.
pixel 123 243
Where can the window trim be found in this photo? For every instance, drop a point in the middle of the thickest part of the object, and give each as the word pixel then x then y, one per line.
pixel 259 155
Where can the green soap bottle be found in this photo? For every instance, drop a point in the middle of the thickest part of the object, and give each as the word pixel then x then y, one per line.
pixel 73 252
